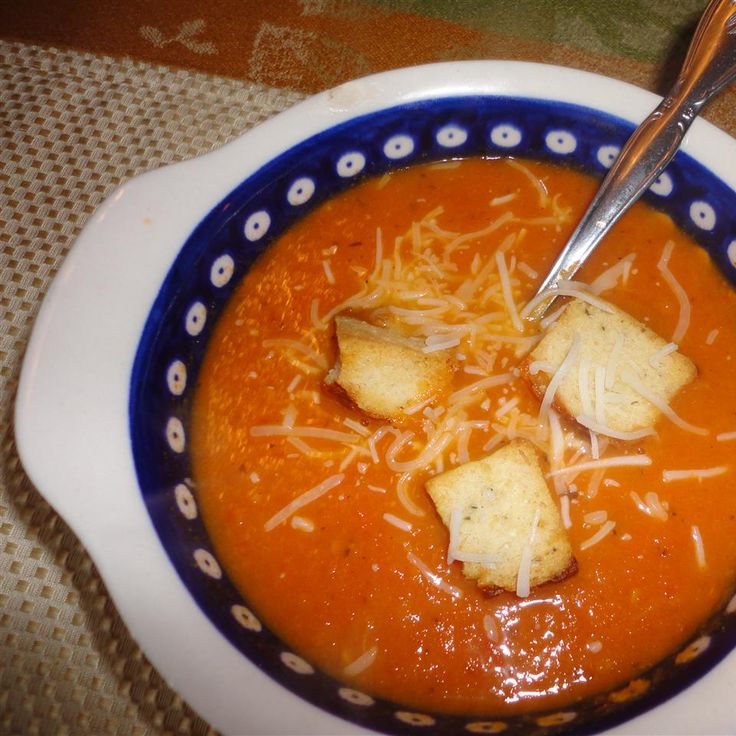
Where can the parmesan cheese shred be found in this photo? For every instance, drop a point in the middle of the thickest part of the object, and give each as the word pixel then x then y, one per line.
pixel 683 320
pixel 362 663
pixel 306 498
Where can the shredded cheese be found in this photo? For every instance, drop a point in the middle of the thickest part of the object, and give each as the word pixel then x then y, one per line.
pixel 535 181
pixel 632 381
pixel 433 577
pixel 651 505
pixel 556 380
pixel 302 524
pixel 508 296
pixel 699 547
pixel 453 549
pixel 504 199
pixel 610 277
pixel 490 626
pixel 565 511
pixel 602 533
pixel 595 449
pixel 434 344
pixel 655 360
pixel 595 426
pixel 595 517
pixel 306 498
pixel 327 268
pixel 537 366
pixel 362 663
pixel 683 320
pixel 523 576
pixel 402 493
pixel 299 347
pixel 527 270
pixel 361 429
pixel 405 526
pixel 566 288
pixel 507 406
pixel 595 482
pixel 693 474
pixel 277 430
pixel 618 461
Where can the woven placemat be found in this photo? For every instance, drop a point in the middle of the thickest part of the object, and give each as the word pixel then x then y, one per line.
pixel 72 127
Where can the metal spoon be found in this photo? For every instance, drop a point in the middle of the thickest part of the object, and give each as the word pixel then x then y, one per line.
pixel 710 64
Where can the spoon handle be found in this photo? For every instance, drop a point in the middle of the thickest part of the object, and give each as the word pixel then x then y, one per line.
pixel 710 64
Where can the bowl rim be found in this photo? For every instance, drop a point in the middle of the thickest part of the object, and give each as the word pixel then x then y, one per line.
pixel 73 446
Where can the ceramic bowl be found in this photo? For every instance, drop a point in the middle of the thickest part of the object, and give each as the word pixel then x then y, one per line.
pixel 106 387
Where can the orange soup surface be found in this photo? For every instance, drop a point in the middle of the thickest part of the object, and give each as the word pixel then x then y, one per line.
pixel 354 575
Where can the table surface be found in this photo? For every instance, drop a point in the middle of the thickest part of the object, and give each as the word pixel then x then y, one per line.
pixel 91 95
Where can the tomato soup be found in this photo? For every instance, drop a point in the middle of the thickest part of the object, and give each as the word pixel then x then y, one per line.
pixel 326 527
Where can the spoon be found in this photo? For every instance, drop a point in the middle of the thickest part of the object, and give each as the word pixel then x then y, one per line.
pixel 710 64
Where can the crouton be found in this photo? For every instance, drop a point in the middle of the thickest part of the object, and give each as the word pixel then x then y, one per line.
pixel 612 350
pixel 505 526
pixel 383 372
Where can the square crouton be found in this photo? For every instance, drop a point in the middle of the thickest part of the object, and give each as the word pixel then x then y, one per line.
pixel 504 524
pixel 611 353
pixel 385 373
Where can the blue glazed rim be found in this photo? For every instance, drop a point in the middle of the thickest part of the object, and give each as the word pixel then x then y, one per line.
pixel 217 255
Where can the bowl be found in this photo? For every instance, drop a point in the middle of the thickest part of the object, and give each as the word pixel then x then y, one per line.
pixel 105 391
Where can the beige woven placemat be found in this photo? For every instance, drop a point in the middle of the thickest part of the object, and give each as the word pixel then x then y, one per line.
pixel 72 127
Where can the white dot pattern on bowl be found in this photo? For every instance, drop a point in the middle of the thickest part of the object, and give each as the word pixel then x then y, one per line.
pixel 185 501
pixel 662 185
pixel 301 191
pixel 257 225
pixel 222 271
pixel 415 719
pixel 731 607
pixel 451 136
pixel 398 146
pixel 207 563
pixel 561 142
pixel 355 697
pixel 176 378
pixel 557 719
pixel 607 155
pixel 693 649
pixel 246 618
pixel 195 319
pixel 506 136
pixel 175 435
pixel 486 727
pixel 703 215
pixel 731 253
pixel 296 664
pixel 350 164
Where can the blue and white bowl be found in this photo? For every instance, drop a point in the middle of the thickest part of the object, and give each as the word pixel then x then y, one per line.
pixel 106 389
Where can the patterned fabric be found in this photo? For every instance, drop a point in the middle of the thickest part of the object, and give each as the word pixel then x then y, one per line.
pixel 73 127
pixel 308 45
